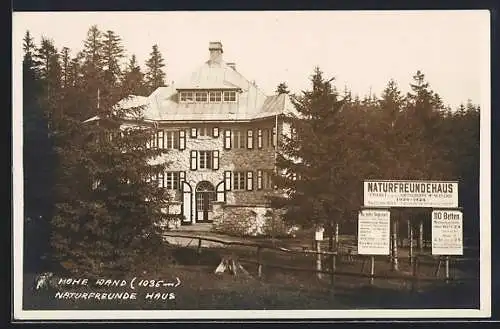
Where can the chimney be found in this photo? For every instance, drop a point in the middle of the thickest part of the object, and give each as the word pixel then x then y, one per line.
pixel 232 65
pixel 215 48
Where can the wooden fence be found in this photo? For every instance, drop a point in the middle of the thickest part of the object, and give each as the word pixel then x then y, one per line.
pixel 414 277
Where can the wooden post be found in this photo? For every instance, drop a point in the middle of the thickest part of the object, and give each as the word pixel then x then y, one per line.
pixel 334 268
pixel 410 253
pixel 438 268
pixel 372 269
pixel 199 247
pixel 318 259
pixel 408 222
pixel 395 266
pixel 447 268
pixel 414 285
pixel 421 236
pixel 259 262
pixel 337 236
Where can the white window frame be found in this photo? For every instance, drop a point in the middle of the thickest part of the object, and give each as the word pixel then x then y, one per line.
pixel 227 96
pixel 239 180
pixel 183 97
pixel 217 96
pixel 205 159
pixel 171 139
pixel 201 96
pixel 239 139
pixel 172 180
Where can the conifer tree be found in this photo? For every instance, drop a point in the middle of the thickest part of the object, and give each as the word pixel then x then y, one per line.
pixel 319 170
pixel 110 219
pixel 155 76
pixel 282 89
pixel 133 79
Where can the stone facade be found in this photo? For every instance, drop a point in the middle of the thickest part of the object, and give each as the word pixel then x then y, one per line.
pixel 198 114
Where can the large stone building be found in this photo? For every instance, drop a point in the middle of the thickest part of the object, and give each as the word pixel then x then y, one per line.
pixel 222 133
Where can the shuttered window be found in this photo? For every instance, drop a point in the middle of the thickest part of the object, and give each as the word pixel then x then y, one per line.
pixel 250 139
pixel 215 160
pixel 259 138
pixel 259 179
pixel 249 180
pixel 227 139
pixel 182 140
pixel 215 132
pixel 227 180
pixel 194 160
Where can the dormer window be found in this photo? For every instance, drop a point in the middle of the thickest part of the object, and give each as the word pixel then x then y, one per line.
pixel 207 96
pixel 201 96
pixel 186 96
pixel 216 96
pixel 230 96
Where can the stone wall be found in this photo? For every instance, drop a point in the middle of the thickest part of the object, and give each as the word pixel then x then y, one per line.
pixel 248 220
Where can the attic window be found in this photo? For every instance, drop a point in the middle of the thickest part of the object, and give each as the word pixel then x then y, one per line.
pixel 216 96
pixel 186 96
pixel 201 96
pixel 230 96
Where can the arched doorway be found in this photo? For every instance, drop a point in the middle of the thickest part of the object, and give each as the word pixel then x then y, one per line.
pixel 205 196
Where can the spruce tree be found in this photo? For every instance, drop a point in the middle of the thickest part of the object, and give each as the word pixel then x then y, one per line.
pixel 133 79
pixel 319 171
pixel 155 76
pixel 110 219
pixel 282 89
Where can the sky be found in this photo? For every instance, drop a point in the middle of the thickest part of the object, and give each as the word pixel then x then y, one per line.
pixel 362 50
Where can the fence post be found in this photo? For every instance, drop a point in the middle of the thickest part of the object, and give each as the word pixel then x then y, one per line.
pixel 414 285
pixel 334 268
pixel 199 246
pixel 421 236
pixel 372 269
pixel 447 268
pixel 410 255
pixel 259 262
pixel 318 259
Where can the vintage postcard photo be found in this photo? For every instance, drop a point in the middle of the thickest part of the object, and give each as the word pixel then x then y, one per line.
pixel 251 165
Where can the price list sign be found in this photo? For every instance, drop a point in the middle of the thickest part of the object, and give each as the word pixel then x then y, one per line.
pixel 447 232
pixel 373 232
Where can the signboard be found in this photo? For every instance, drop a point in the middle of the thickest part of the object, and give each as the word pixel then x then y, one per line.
pixel 447 231
pixel 318 236
pixel 373 232
pixel 393 193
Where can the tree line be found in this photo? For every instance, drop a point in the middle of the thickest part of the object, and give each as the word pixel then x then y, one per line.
pixel 91 199
pixel 91 194
pixel 343 140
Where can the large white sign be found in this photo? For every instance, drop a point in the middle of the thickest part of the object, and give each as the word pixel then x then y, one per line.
pixel 373 232
pixel 393 193
pixel 447 232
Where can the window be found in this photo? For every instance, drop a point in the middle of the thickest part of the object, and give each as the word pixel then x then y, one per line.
pixel 227 139
pixel 182 140
pixel 186 96
pixel 204 131
pixel 205 159
pixel 250 138
pixel 172 180
pixel 160 134
pixel 215 132
pixel 239 180
pixel 160 177
pixel 267 182
pixel 230 96
pixel 215 96
pixel 238 139
pixel 194 132
pixel 201 96
pixel 259 138
pixel 264 179
pixel 172 139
